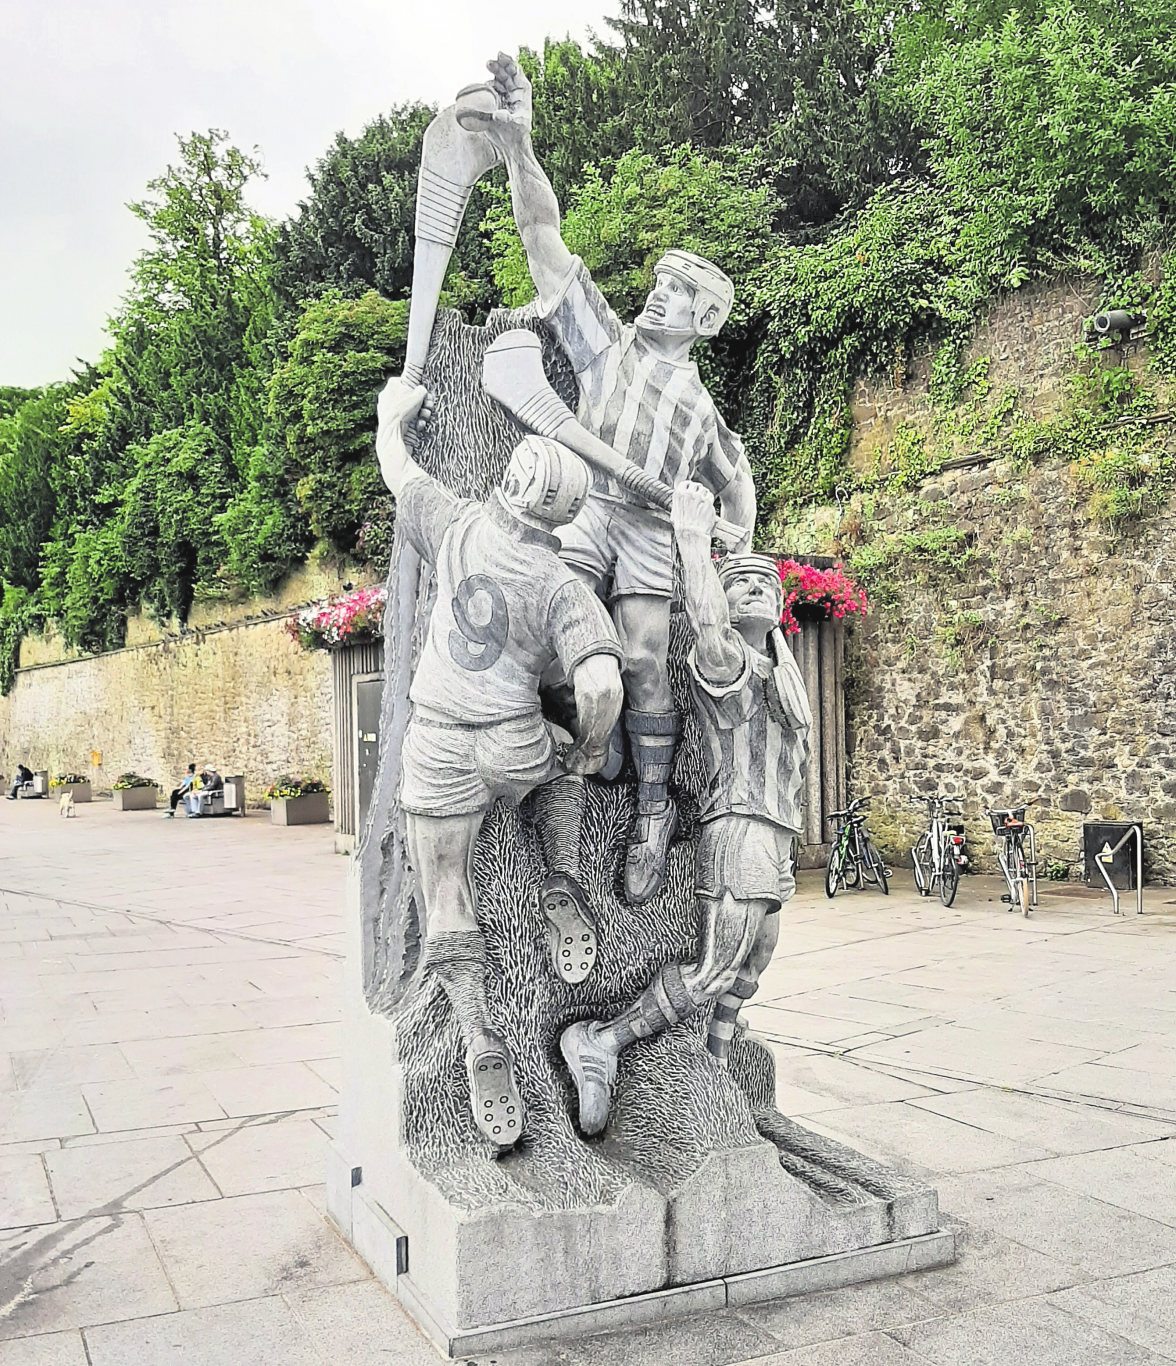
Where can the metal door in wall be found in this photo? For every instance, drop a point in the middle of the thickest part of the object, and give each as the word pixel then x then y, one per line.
pixel 368 692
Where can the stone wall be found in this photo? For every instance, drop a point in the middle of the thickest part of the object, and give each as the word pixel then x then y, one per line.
pixel 1048 671
pixel 239 694
pixel 1037 658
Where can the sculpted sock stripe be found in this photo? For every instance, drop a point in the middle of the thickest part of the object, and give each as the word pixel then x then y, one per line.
pixel 675 987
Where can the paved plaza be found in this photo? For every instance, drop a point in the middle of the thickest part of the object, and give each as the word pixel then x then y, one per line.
pixel 168 1081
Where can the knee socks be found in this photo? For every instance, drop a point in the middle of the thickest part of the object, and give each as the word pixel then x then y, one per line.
pixel 652 736
pixel 559 817
pixel 722 1025
pixel 458 959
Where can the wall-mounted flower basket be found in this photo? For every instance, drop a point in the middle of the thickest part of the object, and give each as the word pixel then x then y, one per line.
pixel 352 619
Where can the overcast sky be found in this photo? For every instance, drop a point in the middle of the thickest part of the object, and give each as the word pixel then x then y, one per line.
pixel 93 92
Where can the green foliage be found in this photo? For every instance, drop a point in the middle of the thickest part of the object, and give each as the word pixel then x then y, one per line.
pixel 19 614
pixel 31 444
pixel 936 553
pixel 1054 121
pixel 907 460
pixel 354 230
pixel 322 406
pixel 793 77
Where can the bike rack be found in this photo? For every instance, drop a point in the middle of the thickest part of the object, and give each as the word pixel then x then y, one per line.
pixel 1104 858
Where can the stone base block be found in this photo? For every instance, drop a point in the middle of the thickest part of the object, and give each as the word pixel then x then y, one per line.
pixel 135 798
pixel 81 792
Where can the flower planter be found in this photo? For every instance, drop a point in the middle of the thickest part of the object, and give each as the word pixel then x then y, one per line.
pixel 313 809
pixel 135 798
pixel 81 791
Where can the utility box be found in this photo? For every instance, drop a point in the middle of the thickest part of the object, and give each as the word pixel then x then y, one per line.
pixel 1099 839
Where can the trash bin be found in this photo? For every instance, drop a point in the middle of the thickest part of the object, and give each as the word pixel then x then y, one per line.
pixel 1099 839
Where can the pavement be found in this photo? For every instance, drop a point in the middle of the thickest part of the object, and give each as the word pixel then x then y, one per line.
pixel 169 1070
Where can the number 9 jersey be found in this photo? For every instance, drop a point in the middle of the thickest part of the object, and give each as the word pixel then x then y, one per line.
pixel 506 606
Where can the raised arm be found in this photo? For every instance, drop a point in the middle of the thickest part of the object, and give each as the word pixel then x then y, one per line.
pixel 718 649
pixel 536 209
pixel 397 409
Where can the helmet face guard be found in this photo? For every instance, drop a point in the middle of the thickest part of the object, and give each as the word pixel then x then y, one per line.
pixel 714 293
pixel 546 480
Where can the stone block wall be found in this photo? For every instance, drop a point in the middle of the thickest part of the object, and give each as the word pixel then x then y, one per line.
pixel 1048 670
pixel 242 697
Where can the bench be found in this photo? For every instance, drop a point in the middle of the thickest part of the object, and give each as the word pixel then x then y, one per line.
pixel 220 801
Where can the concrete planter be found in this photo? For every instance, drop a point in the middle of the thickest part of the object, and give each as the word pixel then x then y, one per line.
pixel 135 798
pixel 313 809
pixel 81 791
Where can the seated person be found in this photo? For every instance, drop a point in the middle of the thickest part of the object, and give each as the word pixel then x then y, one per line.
pixel 211 780
pixel 179 793
pixel 23 775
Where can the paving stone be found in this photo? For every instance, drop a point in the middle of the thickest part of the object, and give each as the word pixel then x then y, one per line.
pixel 360 1324
pixel 1140 1308
pixel 262 1155
pixel 44 1112
pixel 247 1247
pixel 869 1349
pixel 857 1309
pixel 1031 1333
pixel 989 1269
pixel 719 1339
pixel 138 1173
pixel 900 1133
pixel 265 1090
pixel 48 1349
pixel 71 1275
pixel 254 1333
pixel 1065 1225
pixel 1128 1177
pixel 146 1103
pixel 24 1191
pixel 1062 1127
pixel 295 1043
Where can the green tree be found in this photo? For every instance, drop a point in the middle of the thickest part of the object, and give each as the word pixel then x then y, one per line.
pixel 322 405
pixel 793 76
pixel 31 447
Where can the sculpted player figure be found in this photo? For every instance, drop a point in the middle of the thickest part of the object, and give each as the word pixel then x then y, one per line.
pixel 506 609
pixel 755 723
pixel 642 395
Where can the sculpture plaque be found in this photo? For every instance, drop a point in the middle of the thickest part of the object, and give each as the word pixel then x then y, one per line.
pixel 579 848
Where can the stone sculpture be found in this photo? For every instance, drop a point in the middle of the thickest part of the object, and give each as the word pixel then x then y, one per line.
pixel 639 393
pixel 506 610
pixel 526 879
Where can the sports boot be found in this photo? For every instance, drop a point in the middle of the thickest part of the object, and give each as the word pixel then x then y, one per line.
pixel 494 1097
pixel 594 1069
pixel 571 927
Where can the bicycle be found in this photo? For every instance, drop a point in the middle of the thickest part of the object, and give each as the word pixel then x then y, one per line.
pixel 1020 872
pixel 939 856
pixel 854 859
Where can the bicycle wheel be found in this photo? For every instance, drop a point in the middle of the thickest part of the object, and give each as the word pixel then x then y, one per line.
pixel 1023 901
pixel 877 868
pixel 949 878
pixel 851 868
pixel 921 863
pixel 834 869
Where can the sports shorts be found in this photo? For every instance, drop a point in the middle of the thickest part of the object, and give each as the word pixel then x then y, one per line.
pixel 453 769
pixel 634 544
pixel 749 858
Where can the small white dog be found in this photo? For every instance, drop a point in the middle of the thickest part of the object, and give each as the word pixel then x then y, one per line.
pixel 66 805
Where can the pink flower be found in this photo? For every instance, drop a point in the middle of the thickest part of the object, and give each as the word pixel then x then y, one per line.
pixel 831 589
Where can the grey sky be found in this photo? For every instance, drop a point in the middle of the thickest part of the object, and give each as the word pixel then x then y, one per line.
pixel 92 93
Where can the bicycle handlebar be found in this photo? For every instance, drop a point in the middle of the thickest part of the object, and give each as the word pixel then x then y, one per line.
pixel 851 810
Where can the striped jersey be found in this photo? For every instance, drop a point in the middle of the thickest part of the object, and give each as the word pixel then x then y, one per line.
pixel 656 413
pixel 755 738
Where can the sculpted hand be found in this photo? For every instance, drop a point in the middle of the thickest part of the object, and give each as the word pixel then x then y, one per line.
pixel 692 513
pixel 514 93
pixel 405 408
